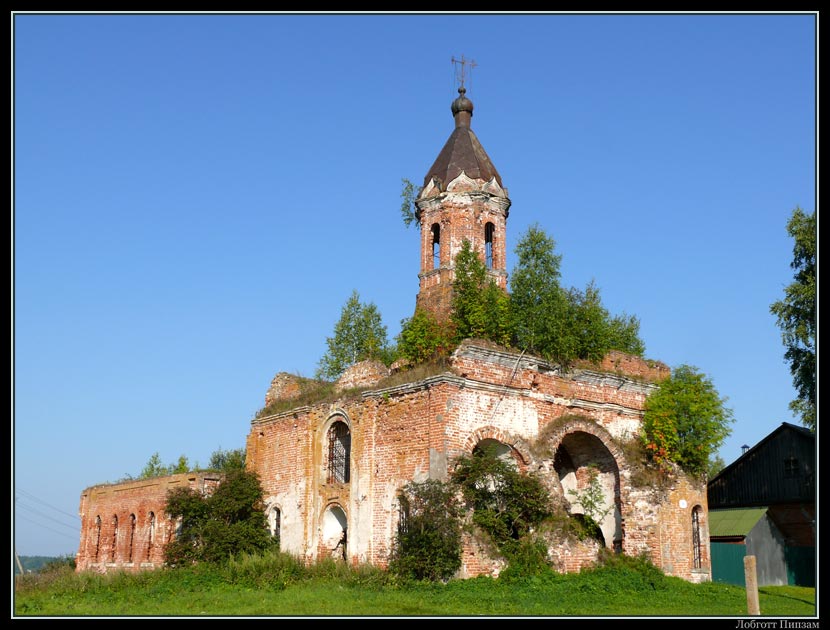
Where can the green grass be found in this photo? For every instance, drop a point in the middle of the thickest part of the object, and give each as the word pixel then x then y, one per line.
pixel 276 585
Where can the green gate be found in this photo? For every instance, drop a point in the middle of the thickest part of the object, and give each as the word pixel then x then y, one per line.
pixel 728 562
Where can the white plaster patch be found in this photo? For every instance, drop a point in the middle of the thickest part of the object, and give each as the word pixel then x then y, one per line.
pixel 516 416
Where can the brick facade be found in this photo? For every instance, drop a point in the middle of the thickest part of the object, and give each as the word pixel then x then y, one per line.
pixel 123 525
pixel 555 422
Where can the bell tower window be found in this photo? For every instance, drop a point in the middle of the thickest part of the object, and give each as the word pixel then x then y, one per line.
pixel 436 246
pixel 489 231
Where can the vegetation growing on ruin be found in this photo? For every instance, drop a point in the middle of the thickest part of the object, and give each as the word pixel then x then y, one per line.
pixel 505 503
pixel 311 392
pixel 359 335
pixel 685 421
pixel 213 528
pixel 427 543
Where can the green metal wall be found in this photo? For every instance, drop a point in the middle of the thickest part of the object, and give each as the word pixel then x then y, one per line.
pixel 728 562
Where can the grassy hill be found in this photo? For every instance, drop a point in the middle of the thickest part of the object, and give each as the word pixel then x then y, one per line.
pixel 278 585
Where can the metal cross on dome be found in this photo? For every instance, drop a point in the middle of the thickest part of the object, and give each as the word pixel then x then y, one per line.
pixel 460 74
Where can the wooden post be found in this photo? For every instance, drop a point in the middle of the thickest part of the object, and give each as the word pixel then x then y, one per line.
pixel 751 577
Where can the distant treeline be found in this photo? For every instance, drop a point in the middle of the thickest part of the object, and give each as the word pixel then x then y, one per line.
pixel 34 564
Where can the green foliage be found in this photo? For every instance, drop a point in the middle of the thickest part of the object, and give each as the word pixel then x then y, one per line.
pixel 525 558
pixel 227 460
pixel 558 324
pixel 716 464
pixel 359 334
pixel 592 501
pixel 155 467
pixel 424 338
pixel 215 527
pixel 539 305
pixel 506 503
pixel 277 584
pixel 428 541
pixel 480 309
pixel 685 421
pixel 408 195
pixel 796 316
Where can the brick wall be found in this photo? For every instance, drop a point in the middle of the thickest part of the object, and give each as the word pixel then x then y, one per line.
pixel 414 431
pixel 123 525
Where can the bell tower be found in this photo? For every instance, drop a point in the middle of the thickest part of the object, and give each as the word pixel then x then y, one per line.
pixel 462 199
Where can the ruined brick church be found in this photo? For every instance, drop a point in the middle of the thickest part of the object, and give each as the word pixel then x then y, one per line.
pixel 331 471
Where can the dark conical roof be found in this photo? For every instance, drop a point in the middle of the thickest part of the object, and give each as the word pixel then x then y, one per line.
pixel 462 151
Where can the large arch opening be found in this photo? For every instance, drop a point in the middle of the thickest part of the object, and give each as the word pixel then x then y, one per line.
pixel 590 480
pixel 334 533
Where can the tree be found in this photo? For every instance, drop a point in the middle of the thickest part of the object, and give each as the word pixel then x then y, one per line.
pixel 480 309
pixel 227 460
pixel 796 316
pixel 685 421
pixel 213 528
pixel 538 303
pixel 562 324
pixel 155 468
pixel 716 464
pixel 428 541
pixel 408 196
pixel 359 334
pixel 423 337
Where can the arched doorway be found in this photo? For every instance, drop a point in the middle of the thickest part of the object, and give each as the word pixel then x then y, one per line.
pixel 334 539
pixel 590 480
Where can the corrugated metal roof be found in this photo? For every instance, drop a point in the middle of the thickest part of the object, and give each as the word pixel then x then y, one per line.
pixel 737 522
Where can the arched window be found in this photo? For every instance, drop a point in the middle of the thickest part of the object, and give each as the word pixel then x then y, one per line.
pixel 132 537
pixel 697 549
pixel 340 449
pixel 489 231
pixel 151 534
pixel 436 246
pixel 274 522
pixel 97 537
pixel 114 537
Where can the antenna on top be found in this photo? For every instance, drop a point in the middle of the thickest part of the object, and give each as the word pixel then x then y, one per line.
pixel 461 71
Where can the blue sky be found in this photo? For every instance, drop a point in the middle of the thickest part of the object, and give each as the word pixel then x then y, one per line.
pixel 196 196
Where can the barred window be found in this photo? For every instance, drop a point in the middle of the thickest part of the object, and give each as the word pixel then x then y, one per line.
pixel 696 545
pixel 340 448
pixel 791 467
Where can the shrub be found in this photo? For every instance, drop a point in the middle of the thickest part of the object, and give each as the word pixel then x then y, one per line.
pixel 428 541
pixel 506 503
